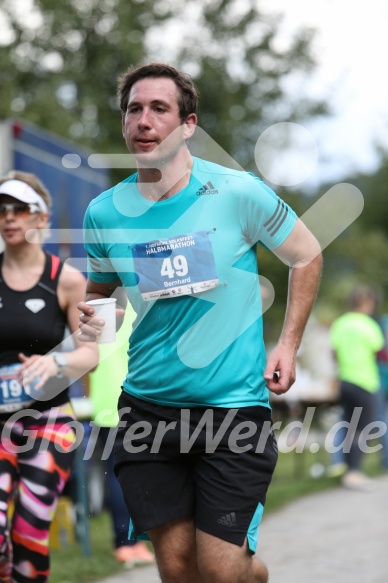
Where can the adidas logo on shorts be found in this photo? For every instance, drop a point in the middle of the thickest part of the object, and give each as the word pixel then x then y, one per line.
pixel 228 519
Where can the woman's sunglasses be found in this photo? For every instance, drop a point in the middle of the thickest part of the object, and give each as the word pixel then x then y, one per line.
pixel 18 208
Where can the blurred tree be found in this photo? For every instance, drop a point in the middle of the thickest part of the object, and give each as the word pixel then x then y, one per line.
pixel 60 61
pixel 374 187
pixel 360 254
pixel 356 257
pixel 244 65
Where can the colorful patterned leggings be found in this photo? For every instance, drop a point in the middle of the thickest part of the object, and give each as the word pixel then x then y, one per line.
pixel 36 456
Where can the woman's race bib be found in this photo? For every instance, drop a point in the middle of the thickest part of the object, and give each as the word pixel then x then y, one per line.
pixel 13 395
pixel 178 266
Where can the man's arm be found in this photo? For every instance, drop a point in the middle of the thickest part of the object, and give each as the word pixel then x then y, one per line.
pixel 301 251
pixel 91 327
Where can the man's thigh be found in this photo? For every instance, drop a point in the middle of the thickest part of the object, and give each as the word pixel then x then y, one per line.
pixel 155 493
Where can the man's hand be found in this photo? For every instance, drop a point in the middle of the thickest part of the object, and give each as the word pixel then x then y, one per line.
pixel 91 326
pixel 280 370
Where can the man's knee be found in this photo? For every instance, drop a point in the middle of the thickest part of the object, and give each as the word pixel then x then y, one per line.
pixel 235 568
pixel 218 574
pixel 178 568
pixel 260 571
pixel 172 574
pixel 175 551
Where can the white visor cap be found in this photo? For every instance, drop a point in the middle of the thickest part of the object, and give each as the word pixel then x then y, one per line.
pixel 23 192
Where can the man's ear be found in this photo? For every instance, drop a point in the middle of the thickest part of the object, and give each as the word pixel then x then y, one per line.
pixel 189 126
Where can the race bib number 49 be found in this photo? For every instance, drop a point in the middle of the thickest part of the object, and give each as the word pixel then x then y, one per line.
pixel 178 266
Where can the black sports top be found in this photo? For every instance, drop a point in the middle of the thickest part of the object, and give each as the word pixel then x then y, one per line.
pixel 32 322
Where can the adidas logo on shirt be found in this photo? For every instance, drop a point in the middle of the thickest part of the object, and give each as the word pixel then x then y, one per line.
pixel 228 519
pixel 207 188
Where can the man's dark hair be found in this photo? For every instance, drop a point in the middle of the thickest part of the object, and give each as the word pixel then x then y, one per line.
pixel 188 100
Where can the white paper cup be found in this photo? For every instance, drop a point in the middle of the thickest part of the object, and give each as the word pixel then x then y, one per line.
pixel 105 308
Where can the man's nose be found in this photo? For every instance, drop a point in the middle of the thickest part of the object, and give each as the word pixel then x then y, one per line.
pixel 144 119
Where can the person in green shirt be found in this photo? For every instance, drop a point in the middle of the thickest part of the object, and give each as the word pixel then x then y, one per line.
pixel 356 338
pixel 105 388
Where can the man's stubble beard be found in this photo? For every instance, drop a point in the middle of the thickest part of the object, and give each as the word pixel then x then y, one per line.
pixel 162 156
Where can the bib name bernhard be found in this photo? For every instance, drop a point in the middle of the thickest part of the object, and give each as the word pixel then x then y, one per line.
pixel 177 282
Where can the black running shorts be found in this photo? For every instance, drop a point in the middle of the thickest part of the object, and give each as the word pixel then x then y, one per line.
pixel 212 464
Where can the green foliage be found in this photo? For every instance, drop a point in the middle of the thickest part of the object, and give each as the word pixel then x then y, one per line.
pixel 60 69
pixel 241 70
pixel 60 65
pixel 374 188
pixel 360 254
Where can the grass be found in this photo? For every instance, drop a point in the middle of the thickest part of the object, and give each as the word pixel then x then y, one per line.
pixel 70 565
pixel 292 479
pixel 293 476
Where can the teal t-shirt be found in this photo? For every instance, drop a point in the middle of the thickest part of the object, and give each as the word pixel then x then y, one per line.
pixel 356 338
pixel 189 268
